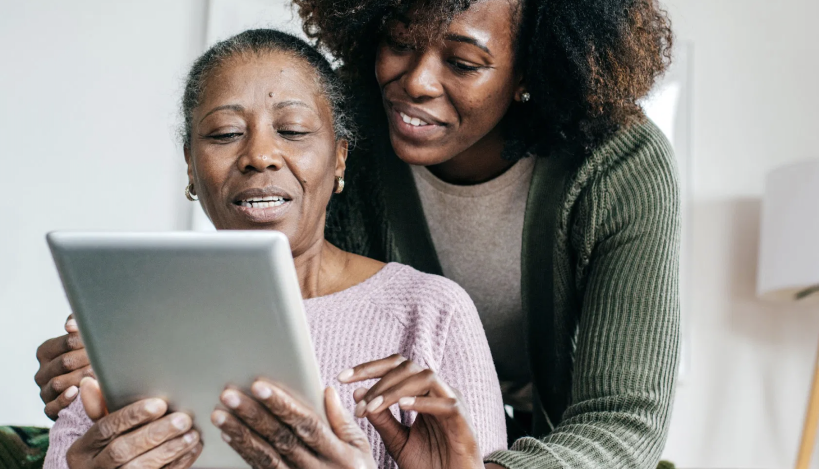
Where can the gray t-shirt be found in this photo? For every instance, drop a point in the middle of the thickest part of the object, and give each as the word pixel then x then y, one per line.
pixel 477 232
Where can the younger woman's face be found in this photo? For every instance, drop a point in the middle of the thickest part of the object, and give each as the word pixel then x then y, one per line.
pixel 263 153
pixel 452 94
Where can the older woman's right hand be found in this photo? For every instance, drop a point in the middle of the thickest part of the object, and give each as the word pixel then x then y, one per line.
pixel 137 436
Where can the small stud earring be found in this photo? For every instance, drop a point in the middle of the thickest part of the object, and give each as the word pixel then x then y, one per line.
pixel 339 184
pixel 525 97
pixel 190 193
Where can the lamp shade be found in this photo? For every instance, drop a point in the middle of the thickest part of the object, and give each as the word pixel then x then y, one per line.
pixel 789 238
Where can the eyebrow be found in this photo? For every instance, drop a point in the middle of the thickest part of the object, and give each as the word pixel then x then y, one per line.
pixel 226 107
pixel 292 102
pixel 468 40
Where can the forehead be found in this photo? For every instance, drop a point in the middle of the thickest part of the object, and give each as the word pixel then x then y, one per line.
pixel 492 22
pixel 252 76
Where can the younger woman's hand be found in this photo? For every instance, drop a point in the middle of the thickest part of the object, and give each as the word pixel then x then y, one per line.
pixel 274 430
pixel 137 436
pixel 63 363
pixel 441 436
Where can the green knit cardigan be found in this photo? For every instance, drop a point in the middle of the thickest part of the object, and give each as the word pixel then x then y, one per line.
pixel 599 269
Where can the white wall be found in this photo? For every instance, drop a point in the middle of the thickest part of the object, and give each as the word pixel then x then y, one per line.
pixel 87 108
pixel 88 94
pixel 756 106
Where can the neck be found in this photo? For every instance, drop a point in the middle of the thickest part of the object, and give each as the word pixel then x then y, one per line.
pixel 479 163
pixel 319 269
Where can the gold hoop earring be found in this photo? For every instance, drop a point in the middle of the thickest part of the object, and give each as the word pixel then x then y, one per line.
pixel 190 193
pixel 339 184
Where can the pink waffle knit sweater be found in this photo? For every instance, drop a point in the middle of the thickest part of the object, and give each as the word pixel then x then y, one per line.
pixel 426 318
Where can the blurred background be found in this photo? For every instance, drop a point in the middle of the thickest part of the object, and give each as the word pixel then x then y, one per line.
pixel 88 116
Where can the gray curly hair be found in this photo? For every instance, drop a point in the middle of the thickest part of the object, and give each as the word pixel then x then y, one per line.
pixel 258 41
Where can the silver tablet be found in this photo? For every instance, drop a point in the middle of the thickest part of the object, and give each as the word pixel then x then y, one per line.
pixel 180 315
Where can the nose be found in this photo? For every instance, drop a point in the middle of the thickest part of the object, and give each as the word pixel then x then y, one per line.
pixel 421 81
pixel 261 152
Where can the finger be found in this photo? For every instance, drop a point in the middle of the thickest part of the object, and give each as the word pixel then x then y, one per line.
pixel 371 370
pixel 397 375
pixel 92 400
pixel 342 422
pixel 359 394
pixel 450 411
pixel 63 400
pixel 124 420
pixel 165 453
pixel 71 324
pixel 186 460
pixel 262 422
pixel 250 446
pixel 66 363
pixel 420 384
pixel 304 422
pixel 53 348
pixel 148 438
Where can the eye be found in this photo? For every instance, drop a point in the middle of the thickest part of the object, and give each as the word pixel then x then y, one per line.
pixel 226 137
pixel 397 45
pixel 292 134
pixel 463 67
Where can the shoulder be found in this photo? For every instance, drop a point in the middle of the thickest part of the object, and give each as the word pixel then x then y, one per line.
pixel 412 293
pixel 633 174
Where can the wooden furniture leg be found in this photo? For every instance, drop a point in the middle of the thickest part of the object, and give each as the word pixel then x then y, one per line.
pixel 811 420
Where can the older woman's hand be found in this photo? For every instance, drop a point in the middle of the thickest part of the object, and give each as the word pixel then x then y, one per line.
pixel 441 436
pixel 137 436
pixel 63 363
pixel 275 430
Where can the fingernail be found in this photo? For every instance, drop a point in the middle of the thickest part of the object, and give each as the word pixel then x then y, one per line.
pixel 406 401
pixel 375 403
pixel 359 394
pixel 180 421
pixel 261 390
pixel 153 406
pixel 189 437
pixel 345 375
pixel 218 417
pixel 359 408
pixel 71 392
pixel 230 398
pixel 226 437
pixel 72 323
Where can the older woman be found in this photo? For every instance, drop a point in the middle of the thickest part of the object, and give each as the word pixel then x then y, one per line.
pixel 265 141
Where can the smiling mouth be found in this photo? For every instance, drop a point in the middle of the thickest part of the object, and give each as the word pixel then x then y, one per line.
pixel 262 202
pixel 414 121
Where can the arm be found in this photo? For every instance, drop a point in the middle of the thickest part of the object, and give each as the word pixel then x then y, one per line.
pixel 467 366
pixel 628 338
pixel 69 427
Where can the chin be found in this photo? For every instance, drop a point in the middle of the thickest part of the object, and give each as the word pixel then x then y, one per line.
pixel 421 155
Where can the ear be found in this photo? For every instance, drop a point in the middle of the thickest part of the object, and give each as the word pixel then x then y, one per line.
pixel 342 148
pixel 520 89
pixel 188 161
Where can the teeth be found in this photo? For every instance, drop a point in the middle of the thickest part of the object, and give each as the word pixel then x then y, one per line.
pixel 412 120
pixel 263 202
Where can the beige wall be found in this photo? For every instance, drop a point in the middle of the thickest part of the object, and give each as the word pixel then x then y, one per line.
pixel 756 106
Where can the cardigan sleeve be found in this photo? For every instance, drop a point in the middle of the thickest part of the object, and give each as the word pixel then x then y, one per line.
pixel 627 342
pixel 72 423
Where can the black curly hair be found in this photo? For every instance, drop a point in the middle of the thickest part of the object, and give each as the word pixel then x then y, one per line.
pixel 586 63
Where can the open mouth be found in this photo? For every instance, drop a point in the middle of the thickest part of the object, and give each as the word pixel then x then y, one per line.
pixel 413 121
pixel 262 202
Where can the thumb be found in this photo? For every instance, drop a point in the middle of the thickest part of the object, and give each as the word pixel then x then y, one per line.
pixel 342 421
pixel 92 399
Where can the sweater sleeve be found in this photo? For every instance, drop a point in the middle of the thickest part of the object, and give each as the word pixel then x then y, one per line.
pixel 467 366
pixel 71 424
pixel 627 342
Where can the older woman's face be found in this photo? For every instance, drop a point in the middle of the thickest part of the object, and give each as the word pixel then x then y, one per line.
pixel 444 98
pixel 263 153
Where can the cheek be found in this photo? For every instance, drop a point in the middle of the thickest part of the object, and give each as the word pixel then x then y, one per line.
pixel 388 66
